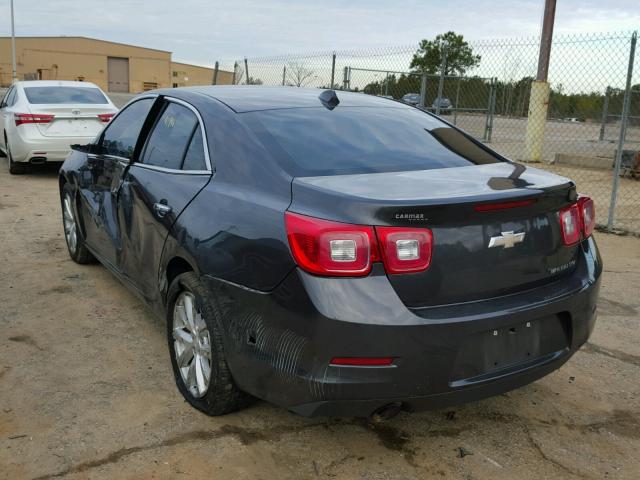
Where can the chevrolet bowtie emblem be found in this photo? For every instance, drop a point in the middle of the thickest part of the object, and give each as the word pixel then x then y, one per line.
pixel 506 240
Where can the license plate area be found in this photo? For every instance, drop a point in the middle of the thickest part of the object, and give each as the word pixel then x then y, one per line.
pixel 496 350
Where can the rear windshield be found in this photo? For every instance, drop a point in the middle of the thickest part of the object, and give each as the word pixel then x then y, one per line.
pixel 40 95
pixel 348 140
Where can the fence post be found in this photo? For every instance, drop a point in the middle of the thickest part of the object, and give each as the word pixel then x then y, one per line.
pixel 623 132
pixel 487 119
pixel 215 73
pixel 492 107
pixel 333 70
pixel 455 107
pixel 605 113
pixel 235 69
pixel 284 74
pixel 423 90
pixel 246 71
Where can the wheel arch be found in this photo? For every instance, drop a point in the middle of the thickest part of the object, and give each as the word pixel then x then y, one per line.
pixel 177 266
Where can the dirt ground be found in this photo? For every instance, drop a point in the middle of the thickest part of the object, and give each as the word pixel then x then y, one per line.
pixel 86 389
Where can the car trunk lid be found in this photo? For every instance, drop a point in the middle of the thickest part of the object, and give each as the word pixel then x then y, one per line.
pixel 71 120
pixel 495 227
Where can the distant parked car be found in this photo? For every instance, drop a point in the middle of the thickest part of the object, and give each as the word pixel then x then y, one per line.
pixel 40 120
pixel 411 99
pixel 572 120
pixel 445 105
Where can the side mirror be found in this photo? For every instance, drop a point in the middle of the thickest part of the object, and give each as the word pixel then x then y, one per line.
pixel 81 148
pixel 89 148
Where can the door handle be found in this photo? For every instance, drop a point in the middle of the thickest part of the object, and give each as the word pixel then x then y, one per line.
pixel 161 209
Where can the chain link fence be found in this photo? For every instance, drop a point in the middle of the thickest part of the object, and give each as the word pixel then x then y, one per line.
pixel 584 124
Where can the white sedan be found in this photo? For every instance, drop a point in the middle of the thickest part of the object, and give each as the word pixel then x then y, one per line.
pixel 40 120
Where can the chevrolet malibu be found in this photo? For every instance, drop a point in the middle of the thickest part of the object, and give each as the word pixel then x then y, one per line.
pixel 39 120
pixel 302 251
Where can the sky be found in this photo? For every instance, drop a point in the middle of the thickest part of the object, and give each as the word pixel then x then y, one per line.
pixel 203 31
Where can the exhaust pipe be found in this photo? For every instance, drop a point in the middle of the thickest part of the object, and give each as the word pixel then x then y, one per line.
pixel 37 160
pixel 386 412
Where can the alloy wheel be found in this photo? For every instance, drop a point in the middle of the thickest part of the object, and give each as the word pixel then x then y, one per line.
pixel 192 345
pixel 70 226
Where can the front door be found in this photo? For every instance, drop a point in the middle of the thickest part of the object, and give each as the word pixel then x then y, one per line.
pixel 172 168
pixel 99 184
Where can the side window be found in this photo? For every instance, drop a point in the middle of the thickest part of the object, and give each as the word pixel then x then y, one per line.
pixel 9 98
pixel 121 135
pixel 170 137
pixel 3 102
pixel 13 97
pixel 194 159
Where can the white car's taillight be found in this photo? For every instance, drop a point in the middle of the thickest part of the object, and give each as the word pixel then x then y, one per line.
pixel 105 117
pixel 24 118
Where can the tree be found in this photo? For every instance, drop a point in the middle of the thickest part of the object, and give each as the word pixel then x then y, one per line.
pixel 459 55
pixel 254 81
pixel 298 75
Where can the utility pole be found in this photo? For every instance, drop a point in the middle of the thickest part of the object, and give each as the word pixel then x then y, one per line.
pixel 539 99
pixel 14 72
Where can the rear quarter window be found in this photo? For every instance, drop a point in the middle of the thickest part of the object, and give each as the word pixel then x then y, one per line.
pixel 62 95
pixel 351 140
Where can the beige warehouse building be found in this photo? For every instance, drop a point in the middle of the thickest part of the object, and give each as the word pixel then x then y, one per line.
pixel 115 67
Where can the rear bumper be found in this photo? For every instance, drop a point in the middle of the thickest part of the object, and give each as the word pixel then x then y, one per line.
pixel 50 149
pixel 279 344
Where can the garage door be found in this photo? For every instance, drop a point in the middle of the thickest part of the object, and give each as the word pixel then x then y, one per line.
pixel 118 69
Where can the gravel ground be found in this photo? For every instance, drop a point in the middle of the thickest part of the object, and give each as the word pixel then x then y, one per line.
pixel 86 389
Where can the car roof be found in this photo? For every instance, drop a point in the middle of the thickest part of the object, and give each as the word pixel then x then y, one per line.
pixel 55 83
pixel 247 98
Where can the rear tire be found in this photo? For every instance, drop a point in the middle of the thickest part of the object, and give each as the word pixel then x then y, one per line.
pixel 195 333
pixel 72 234
pixel 15 168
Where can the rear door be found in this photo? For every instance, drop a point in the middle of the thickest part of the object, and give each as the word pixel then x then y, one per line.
pixel 173 167
pixel 100 184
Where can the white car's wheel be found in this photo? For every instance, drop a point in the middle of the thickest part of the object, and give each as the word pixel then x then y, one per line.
pixel 15 168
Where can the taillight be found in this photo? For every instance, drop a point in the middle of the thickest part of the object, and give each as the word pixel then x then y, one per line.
pixel 105 117
pixel 570 224
pixel 405 250
pixel 587 215
pixel 331 248
pixel 23 118
pixel 578 221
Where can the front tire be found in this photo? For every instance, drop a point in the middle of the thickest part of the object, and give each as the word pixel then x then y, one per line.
pixel 194 335
pixel 75 243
